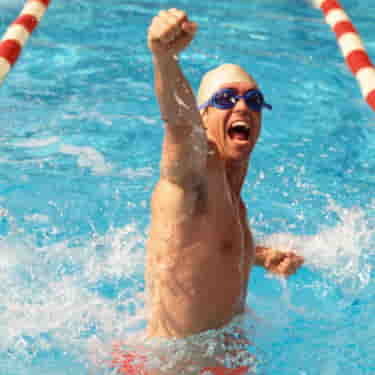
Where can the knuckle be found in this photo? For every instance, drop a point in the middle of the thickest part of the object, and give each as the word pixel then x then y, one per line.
pixel 172 21
pixel 173 11
pixel 162 15
pixel 288 263
pixel 272 256
pixel 284 265
pixel 180 14
pixel 156 21
pixel 164 36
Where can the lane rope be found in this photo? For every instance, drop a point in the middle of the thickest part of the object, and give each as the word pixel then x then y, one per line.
pixel 351 45
pixel 18 34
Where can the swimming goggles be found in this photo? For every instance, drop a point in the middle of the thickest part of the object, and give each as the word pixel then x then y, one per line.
pixel 227 99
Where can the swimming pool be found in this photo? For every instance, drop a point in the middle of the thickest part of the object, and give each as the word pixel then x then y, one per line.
pixel 80 147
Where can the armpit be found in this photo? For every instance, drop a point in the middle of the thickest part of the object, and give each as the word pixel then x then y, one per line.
pixel 184 156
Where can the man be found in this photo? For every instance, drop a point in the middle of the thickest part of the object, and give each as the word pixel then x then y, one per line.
pixel 200 248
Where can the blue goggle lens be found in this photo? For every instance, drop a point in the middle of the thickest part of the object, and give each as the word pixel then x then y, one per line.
pixel 228 98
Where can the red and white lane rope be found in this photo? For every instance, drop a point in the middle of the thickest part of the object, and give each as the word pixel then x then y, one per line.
pixel 18 33
pixel 351 46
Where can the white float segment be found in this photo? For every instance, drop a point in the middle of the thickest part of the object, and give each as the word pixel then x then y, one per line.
pixel 4 68
pixel 335 16
pixel 366 79
pixel 350 42
pixel 35 8
pixel 17 32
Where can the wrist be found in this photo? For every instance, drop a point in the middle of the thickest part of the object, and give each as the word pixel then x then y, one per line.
pixel 261 255
pixel 164 59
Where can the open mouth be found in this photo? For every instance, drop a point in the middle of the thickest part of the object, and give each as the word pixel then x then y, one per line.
pixel 239 131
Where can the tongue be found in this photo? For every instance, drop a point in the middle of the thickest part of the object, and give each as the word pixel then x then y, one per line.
pixel 240 136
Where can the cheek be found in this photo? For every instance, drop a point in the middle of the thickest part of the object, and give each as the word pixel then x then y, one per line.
pixel 214 123
pixel 258 122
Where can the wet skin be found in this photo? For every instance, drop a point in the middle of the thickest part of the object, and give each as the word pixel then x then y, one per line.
pixel 200 249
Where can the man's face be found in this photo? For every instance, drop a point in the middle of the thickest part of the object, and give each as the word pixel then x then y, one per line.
pixel 234 131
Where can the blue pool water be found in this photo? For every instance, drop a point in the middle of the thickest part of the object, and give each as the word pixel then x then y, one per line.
pixel 79 153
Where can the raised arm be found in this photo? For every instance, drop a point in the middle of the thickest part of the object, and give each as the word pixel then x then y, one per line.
pixel 185 145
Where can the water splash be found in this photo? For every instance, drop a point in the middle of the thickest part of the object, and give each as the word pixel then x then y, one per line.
pixel 60 297
pixel 75 297
pixel 228 347
pixel 342 254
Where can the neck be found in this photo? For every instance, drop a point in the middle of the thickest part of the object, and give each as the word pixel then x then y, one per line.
pixel 236 173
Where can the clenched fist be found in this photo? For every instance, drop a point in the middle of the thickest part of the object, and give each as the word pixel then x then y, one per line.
pixel 282 263
pixel 170 32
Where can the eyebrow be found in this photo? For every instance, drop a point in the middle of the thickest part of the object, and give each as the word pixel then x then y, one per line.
pixel 235 90
pixel 255 87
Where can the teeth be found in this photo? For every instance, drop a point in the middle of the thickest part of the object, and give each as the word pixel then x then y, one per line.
pixel 240 123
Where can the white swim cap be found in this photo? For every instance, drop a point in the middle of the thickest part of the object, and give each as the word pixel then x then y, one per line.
pixel 213 79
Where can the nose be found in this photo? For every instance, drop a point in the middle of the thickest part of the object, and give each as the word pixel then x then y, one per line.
pixel 243 109
pixel 241 104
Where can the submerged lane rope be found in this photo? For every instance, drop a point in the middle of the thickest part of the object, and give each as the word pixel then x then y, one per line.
pixel 18 33
pixel 351 46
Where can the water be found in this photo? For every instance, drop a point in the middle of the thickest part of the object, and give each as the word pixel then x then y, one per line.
pixel 80 147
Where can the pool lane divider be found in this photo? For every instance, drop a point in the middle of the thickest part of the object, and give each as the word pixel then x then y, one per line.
pixel 351 45
pixel 18 34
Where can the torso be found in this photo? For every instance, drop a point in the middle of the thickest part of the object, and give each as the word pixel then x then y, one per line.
pixel 200 252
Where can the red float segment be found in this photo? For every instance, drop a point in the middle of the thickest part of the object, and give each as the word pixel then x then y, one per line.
pixel 344 27
pixel 358 60
pixel 28 21
pixel 10 49
pixel 371 99
pixel 329 5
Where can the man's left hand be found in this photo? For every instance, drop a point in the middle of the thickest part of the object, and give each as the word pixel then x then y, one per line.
pixel 282 263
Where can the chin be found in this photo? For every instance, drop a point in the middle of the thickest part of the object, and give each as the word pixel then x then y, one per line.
pixel 239 153
pixel 238 156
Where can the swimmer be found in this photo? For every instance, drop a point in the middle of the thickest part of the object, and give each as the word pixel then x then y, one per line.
pixel 200 249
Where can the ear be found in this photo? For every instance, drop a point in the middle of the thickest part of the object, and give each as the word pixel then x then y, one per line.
pixel 204 113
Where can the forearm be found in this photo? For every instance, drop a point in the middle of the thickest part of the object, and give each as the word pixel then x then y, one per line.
pixel 185 143
pixel 176 98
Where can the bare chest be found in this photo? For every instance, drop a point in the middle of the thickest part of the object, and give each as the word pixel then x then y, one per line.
pixel 226 221
pixel 199 266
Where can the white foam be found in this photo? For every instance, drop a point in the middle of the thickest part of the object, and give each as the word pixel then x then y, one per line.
pixel 50 298
pixel 341 252
pixel 12 252
pixel 88 157
pixel 92 115
pixel 46 297
pixel 139 172
pixel 37 142
pixel 37 218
